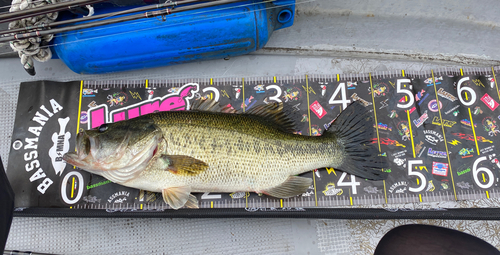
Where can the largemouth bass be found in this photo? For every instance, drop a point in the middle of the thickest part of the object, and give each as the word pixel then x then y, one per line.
pixel 215 149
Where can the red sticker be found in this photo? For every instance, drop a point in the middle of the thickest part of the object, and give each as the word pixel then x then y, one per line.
pixel 318 109
pixel 489 101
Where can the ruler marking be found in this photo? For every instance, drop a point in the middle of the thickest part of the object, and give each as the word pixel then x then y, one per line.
pixel 473 130
pixel 411 133
pixel 444 136
pixel 496 83
pixel 274 79
pixel 243 90
pixel 73 187
pixel 403 73
pixel 79 112
pixel 487 194
pixel 376 127
pixel 147 81
pixel 211 204
pixel 420 197
pixel 310 133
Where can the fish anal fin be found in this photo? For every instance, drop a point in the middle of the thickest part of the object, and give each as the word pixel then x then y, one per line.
pixel 177 197
pixel 192 202
pixel 183 165
pixel 293 186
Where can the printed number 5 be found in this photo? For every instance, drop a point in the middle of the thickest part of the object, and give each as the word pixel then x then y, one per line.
pixel 419 175
pixel 399 90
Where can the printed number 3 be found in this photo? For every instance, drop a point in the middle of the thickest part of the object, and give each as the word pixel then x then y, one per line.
pixel 399 90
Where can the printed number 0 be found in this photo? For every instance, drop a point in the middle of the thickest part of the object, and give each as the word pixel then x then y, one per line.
pixel 399 90
pixel 476 170
pixel 470 90
pixel 344 101
pixel 278 93
pixel 353 183
pixel 79 193
pixel 419 175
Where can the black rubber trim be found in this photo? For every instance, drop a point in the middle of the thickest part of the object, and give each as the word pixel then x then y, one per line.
pixel 317 213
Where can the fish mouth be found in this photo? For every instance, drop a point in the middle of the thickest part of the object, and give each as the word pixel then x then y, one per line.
pixel 83 147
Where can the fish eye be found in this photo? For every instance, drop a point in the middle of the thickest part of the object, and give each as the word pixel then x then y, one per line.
pixel 103 128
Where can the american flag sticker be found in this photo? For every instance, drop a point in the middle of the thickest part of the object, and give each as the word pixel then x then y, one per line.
pixel 439 168
pixel 318 109
pixel 489 101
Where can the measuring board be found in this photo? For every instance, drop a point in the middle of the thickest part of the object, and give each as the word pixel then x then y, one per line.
pixel 437 129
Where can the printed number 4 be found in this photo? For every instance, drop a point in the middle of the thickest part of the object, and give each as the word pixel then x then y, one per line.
pixel 399 90
pixel 353 183
pixel 419 175
pixel 344 101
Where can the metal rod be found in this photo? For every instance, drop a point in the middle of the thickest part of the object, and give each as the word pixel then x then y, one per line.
pixel 105 15
pixel 116 20
pixel 8 17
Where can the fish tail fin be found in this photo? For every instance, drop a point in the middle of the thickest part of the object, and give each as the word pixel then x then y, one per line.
pixel 353 129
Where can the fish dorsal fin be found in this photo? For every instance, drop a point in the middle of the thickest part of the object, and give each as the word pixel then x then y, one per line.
pixel 276 113
pixel 283 118
pixel 210 105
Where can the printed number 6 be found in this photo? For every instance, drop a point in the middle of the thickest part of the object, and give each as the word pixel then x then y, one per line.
pixel 471 91
pixel 399 90
pixel 476 170
pixel 419 175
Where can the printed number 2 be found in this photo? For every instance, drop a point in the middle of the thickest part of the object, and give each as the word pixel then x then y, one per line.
pixel 353 183
pixel 344 101
pixel 476 170
pixel 399 90
pixel 207 196
pixel 419 175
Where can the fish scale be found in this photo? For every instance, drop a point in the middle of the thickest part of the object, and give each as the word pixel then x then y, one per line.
pixel 245 155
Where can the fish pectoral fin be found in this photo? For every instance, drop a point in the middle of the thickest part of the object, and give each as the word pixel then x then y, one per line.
pixel 184 165
pixel 293 186
pixel 192 202
pixel 176 197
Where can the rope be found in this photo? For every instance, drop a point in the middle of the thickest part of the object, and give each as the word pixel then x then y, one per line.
pixel 29 49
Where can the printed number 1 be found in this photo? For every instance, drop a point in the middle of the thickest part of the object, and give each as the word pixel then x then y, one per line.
pixel 419 175
pixel 399 90
pixel 353 183
pixel 344 101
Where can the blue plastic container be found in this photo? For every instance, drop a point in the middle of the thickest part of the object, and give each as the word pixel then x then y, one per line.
pixel 209 33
